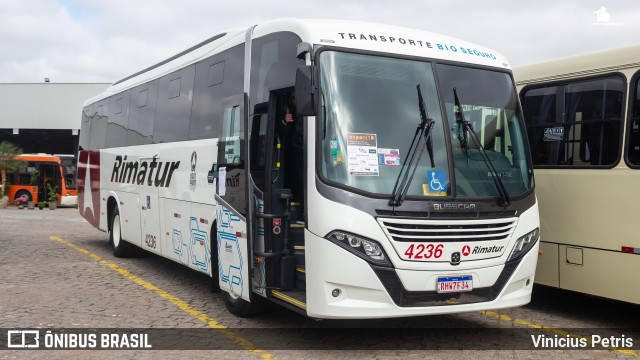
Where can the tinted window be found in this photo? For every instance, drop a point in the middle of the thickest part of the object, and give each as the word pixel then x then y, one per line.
pixel 98 131
pixel 576 123
pixel 216 78
pixel 231 135
pixel 173 113
pixel 633 143
pixel 274 64
pixel 85 126
pixel 142 113
pixel 119 120
pixel 258 148
pixel 216 74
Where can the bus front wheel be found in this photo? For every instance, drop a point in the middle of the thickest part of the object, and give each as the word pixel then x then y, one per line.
pixel 242 308
pixel 215 273
pixel 121 248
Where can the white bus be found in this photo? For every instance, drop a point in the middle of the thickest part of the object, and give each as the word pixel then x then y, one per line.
pixel 583 122
pixel 402 187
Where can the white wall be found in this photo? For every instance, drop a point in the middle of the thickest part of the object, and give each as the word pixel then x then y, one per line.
pixel 45 105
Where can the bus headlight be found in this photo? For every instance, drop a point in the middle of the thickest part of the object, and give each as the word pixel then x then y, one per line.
pixel 367 249
pixel 524 244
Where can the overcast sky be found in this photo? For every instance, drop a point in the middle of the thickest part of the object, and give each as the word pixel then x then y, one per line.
pixel 105 40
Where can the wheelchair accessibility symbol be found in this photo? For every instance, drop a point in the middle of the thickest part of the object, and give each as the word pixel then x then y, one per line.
pixel 437 181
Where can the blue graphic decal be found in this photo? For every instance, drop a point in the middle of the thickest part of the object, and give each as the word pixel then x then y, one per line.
pixel 229 249
pixel 195 251
pixel 177 242
pixel 198 247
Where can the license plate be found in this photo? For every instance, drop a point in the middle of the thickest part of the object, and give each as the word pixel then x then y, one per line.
pixel 458 283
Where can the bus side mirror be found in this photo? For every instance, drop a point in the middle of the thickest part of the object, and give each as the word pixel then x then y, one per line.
pixel 305 91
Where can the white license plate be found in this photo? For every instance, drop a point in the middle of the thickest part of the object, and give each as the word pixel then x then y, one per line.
pixel 458 283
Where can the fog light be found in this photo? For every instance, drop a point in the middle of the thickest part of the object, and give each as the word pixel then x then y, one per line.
pixel 335 292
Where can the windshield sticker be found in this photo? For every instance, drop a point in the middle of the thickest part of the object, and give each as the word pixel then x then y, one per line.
pixel 336 152
pixel 389 157
pixel 436 183
pixel 554 134
pixel 362 151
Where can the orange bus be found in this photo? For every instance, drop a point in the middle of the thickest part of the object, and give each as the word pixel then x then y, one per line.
pixel 31 180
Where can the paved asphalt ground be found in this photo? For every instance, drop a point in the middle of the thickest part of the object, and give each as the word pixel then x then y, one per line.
pixel 58 273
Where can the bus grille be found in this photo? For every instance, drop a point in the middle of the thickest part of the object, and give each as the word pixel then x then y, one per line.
pixel 412 230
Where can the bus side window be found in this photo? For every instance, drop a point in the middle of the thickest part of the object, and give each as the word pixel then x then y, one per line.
pixel 633 143
pixel 231 134
pixel 142 113
pixel 258 149
pixel 173 109
pixel 118 122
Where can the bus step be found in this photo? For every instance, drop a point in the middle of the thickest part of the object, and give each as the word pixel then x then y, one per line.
pixel 296 298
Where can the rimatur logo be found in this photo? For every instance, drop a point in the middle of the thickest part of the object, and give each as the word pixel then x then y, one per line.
pixel 89 186
pixel 466 250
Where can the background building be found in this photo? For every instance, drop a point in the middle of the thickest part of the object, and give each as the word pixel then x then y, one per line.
pixel 45 117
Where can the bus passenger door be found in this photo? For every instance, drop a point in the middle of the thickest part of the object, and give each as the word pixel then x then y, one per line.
pixel 233 258
pixel 150 213
pixel 272 167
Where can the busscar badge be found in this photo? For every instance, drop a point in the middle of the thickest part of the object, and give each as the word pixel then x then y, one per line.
pixel 455 258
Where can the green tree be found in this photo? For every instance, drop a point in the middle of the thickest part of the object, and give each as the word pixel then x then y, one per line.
pixel 8 161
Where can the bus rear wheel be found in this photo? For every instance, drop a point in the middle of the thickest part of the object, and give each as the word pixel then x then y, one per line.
pixel 242 308
pixel 121 248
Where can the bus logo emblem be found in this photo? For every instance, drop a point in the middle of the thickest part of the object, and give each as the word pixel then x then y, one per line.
pixel 466 250
pixel 192 176
pixel 455 258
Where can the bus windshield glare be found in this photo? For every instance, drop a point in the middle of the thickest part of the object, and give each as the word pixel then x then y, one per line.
pixel 370 114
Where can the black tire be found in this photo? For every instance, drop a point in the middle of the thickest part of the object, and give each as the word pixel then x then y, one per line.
pixel 24 192
pixel 242 308
pixel 215 275
pixel 121 248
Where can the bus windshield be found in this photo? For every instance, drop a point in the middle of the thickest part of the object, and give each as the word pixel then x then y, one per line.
pixel 370 114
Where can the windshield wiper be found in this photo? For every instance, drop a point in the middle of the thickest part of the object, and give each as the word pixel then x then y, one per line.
pixel 460 121
pixel 466 126
pixel 409 168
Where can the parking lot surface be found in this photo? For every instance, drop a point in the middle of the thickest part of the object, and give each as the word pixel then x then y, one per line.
pixel 59 273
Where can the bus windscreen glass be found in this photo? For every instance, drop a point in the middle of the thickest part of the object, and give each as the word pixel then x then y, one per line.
pixel 369 115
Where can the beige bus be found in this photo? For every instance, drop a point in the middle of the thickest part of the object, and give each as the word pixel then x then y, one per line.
pixel 583 122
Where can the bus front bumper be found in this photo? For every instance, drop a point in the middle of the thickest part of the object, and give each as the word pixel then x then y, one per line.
pixel 366 291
